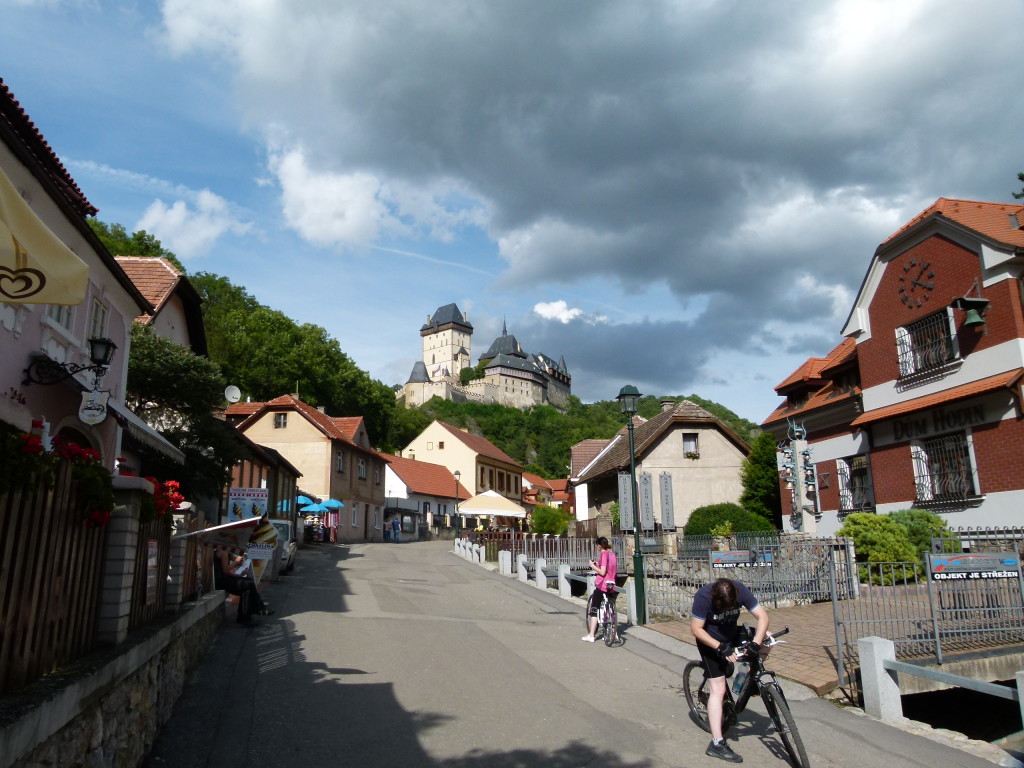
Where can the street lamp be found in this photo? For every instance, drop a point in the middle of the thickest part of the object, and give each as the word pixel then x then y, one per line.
pixel 43 370
pixel 458 476
pixel 629 401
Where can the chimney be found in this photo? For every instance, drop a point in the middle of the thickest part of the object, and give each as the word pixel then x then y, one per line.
pixel 321 408
pixel 667 404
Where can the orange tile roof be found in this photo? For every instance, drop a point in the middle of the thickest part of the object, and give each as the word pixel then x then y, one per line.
pixel 810 370
pixel 243 409
pixel 988 384
pixel 155 277
pixel 989 219
pixel 426 478
pixel 348 424
pixel 481 445
pixel 536 480
pixel 318 418
pixel 827 395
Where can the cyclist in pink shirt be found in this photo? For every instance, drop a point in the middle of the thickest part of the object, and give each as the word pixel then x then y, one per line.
pixel 604 585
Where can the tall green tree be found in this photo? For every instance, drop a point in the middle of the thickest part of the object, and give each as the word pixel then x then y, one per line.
pixel 117 240
pixel 1019 195
pixel 176 392
pixel 760 477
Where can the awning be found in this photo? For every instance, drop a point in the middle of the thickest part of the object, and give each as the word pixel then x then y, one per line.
pixel 142 432
pixel 35 265
pixel 978 387
pixel 491 503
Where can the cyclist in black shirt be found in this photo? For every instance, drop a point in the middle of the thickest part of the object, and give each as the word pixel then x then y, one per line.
pixel 714 622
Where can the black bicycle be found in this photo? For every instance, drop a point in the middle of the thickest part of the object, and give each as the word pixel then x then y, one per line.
pixel 760 682
pixel 607 623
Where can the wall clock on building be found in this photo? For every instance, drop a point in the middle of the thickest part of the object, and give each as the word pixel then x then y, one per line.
pixel 916 283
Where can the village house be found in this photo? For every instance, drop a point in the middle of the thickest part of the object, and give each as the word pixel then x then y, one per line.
pixel 920 406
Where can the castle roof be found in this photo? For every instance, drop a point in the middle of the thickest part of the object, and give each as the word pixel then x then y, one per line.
pixel 448 314
pixel 506 344
pixel 419 373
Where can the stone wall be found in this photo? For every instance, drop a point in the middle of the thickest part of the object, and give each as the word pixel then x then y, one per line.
pixel 108 711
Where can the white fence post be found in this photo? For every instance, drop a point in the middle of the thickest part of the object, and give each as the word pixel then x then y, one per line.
pixel 540 578
pixel 881 691
pixel 505 562
pixel 524 576
pixel 630 601
pixel 564 588
pixel 478 554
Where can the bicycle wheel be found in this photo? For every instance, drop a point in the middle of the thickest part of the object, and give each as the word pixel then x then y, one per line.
pixel 695 688
pixel 778 711
pixel 612 638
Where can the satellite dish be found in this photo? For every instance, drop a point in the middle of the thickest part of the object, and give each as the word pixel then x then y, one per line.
pixel 232 394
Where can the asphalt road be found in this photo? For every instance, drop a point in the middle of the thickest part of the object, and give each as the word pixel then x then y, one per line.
pixel 405 655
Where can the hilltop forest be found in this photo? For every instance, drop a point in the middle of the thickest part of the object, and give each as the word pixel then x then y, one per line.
pixel 267 354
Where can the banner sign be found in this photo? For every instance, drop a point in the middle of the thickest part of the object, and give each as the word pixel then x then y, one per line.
pixel 668 514
pixel 625 502
pixel 984 565
pixel 646 494
pixel 244 503
pixel 741 558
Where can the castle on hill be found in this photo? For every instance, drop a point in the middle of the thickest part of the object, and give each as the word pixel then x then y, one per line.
pixel 512 377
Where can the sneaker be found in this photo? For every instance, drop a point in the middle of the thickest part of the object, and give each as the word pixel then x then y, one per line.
pixel 587 639
pixel 723 752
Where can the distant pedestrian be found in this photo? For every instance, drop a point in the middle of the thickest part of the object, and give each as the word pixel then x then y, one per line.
pixel 396 529
pixel 387 531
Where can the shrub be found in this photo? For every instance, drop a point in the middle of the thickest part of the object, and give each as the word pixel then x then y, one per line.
pixel 921 526
pixel 549 520
pixel 880 539
pixel 704 520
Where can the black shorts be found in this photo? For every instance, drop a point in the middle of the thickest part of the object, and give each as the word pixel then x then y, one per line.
pixel 715 663
pixel 594 603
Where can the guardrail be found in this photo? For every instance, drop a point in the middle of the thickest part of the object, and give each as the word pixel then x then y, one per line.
pixel 880 684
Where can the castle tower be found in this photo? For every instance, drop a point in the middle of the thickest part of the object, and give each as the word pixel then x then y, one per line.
pixel 447 343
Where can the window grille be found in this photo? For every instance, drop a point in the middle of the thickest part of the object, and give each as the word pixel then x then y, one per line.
pixel 943 469
pixel 855 491
pixel 926 345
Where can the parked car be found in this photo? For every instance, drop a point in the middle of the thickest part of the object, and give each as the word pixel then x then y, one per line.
pixel 287 544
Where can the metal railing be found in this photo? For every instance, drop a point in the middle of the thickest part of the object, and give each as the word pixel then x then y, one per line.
pixel 925 619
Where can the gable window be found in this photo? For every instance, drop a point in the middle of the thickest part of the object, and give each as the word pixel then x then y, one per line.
pixel 943 470
pixel 280 420
pixel 690 445
pixel 339 462
pixel 928 344
pixel 98 326
pixel 440 445
pixel 362 469
pixel 855 492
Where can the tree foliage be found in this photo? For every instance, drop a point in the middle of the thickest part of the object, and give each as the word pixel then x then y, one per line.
pixel 1020 178
pixel 761 494
pixel 141 243
pixel 704 520
pixel 921 526
pixel 549 520
pixel 176 392
pixel 266 354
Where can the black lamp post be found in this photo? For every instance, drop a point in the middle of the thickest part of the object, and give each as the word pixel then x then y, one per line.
pixel 43 370
pixel 458 476
pixel 629 401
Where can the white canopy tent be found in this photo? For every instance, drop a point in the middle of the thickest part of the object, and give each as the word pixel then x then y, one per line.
pixel 491 503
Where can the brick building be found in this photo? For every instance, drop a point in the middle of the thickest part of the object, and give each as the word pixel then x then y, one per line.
pixel 921 404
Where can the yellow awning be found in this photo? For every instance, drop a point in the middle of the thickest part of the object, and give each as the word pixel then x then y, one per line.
pixel 35 266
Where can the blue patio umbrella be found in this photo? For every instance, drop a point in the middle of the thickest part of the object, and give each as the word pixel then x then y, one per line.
pixel 333 504
pixel 303 500
pixel 284 505
pixel 314 508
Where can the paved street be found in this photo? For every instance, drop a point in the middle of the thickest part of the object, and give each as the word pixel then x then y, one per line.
pixel 405 655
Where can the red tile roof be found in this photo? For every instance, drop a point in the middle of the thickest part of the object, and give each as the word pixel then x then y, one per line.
pixel 989 219
pixel 480 445
pixel 155 277
pixel 585 452
pixel 318 418
pixel 999 381
pixel 827 395
pixel 425 478
pixel 349 425
pixel 243 409
pixel 536 480
pixel 32 141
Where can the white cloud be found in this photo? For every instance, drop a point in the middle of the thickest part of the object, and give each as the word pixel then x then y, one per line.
pixel 557 310
pixel 191 232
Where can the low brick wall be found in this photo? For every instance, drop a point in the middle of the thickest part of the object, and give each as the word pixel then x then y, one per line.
pixel 108 709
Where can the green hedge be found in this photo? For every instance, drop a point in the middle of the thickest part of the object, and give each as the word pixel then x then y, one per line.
pixel 704 519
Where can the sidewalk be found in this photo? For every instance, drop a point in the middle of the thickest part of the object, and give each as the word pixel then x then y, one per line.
pixel 809 656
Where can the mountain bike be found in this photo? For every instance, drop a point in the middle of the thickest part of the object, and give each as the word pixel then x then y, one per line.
pixel 760 682
pixel 607 623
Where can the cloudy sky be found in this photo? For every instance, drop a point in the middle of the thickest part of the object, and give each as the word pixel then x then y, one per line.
pixel 679 194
